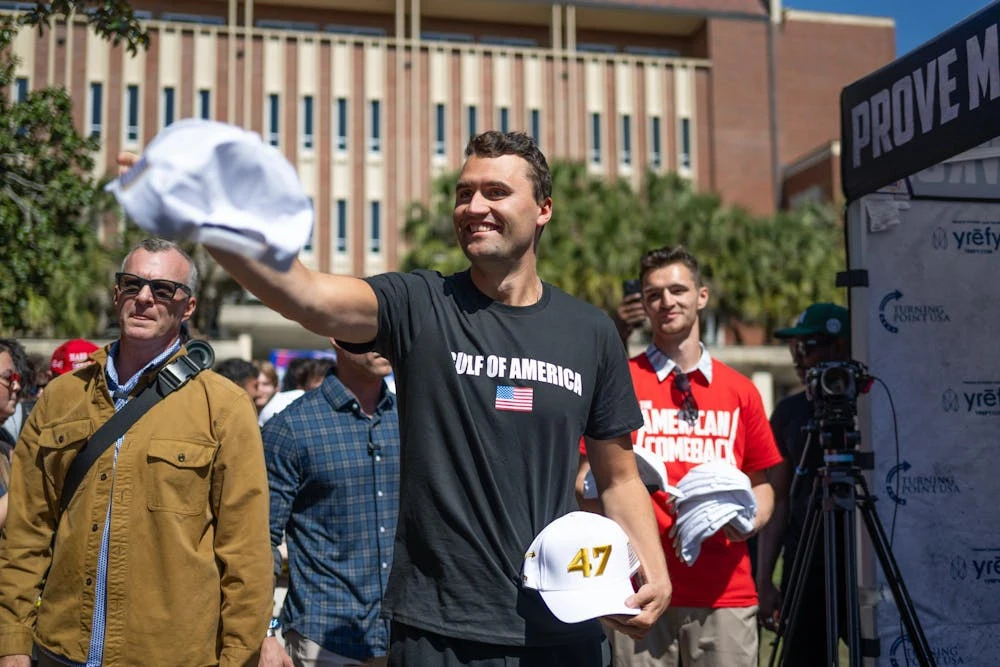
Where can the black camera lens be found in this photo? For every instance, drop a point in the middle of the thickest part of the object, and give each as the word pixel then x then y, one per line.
pixel 837 381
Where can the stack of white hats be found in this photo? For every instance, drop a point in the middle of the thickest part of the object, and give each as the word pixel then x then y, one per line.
pixel 652 472
pixel 220 185
pixel 715 494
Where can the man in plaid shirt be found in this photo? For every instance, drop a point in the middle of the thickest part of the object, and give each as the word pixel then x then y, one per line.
pixel 333 470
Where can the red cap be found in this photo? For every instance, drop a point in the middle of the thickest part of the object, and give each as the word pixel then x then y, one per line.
pixel 71 355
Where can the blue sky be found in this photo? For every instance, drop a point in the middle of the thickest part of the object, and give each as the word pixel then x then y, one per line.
pixel 916 20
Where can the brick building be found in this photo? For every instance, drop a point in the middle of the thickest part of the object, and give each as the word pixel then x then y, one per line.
pixel 371 98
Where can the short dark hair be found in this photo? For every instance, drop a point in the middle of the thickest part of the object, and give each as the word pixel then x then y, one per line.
pixel 494 144
pixel 667 255
pixel 236 369
pixel 19 357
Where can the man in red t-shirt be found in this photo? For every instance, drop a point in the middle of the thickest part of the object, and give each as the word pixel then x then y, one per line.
pixel 696 409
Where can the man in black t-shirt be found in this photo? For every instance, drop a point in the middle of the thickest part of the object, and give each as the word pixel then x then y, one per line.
pixel 498 375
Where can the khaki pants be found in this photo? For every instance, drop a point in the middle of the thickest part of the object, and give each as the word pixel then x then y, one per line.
pixel 693 637
pixel 307 653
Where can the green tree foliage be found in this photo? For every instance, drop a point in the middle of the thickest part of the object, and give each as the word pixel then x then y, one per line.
pixel 114 20
pixel 762 270
pixel 49 202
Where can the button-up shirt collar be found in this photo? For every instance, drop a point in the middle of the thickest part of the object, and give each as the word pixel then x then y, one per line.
pixel 664 365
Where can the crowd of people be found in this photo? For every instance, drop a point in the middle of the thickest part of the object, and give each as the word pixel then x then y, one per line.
pixel 398 521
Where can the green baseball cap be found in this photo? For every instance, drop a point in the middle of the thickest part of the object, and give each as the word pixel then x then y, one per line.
pixel 826 319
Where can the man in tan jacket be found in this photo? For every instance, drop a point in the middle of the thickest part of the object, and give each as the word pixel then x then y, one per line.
pixel 163 555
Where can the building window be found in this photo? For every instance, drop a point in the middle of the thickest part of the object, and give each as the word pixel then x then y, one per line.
pixel 439 129
pixel 273 126
pixel 595 138
pixel 367 31
pixel 375 135
pixel 20 89
pixel 626 139
pixel 205 104
pixel 504 119
pixel 472 121
pixel 96 108
pixel 307 122
pixel 341 122
pixel 376 237
pixel 181 17
pixel 433 36
pixel 308 247
pixel 502 40
pixel 168 106
pixel 278 24
pixel 132 113
pixel 655 157
pixel 536 126
pixel 341 225
pixel 596 47
pixel 684 159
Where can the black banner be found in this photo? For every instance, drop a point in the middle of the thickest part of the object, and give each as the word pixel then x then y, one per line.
pixel 929 105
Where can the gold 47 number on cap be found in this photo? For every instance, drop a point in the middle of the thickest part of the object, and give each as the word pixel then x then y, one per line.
pixel 584 562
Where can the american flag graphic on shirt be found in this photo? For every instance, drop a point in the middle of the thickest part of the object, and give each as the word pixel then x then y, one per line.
pixel 516 399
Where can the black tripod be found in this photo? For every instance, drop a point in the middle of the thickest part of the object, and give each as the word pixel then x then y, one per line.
pixel 844 489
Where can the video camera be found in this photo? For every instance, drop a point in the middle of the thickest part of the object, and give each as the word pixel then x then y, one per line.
pixel 834 387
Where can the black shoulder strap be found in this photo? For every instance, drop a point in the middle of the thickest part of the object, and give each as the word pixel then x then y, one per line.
pixel 170 378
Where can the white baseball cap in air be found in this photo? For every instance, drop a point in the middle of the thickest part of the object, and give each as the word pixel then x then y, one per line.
pixel 582 565
pixel 220 185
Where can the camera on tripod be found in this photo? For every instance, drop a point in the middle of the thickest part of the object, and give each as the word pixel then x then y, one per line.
pixel 838 490
pixel 834 387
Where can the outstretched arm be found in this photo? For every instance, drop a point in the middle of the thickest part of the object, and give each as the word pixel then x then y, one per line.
pixel 341 307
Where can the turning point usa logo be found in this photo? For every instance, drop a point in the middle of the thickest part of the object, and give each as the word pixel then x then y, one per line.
pixel 978 397
pixel 901 654
pixel 939 482
pixel 892 311
pixel 971 237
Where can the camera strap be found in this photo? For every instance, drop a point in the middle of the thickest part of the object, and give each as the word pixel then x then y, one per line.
pixel 169 379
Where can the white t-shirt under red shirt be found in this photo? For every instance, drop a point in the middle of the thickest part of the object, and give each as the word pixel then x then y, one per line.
pixel 732 426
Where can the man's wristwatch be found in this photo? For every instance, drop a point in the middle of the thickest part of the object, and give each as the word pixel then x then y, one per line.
pixel 273 627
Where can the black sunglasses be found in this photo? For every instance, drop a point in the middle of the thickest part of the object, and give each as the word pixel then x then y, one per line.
pixel 162 289
pixel 689 408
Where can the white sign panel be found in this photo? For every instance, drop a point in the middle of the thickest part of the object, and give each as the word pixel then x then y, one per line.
pixel 927 326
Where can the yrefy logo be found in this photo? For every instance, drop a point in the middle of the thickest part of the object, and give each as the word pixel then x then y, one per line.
pixel 972 237
pixel 983 566
pixel 978 397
